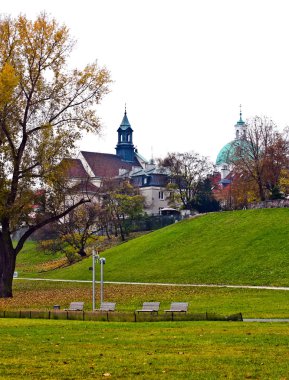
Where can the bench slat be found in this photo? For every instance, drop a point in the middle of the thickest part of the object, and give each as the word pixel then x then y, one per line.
pixel 107 306
pixel 76 306
pixel 178 307
pixel 149 307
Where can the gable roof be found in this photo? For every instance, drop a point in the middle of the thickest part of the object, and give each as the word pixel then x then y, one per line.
pixel 74 168
pixel 105 165
pixel 150 170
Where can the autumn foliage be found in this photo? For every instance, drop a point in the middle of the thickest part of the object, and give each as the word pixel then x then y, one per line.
pixel 44 109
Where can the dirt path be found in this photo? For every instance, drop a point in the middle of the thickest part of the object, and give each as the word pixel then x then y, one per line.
pixel 164 284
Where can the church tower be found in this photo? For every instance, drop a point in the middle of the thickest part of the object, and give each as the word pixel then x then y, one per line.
pixel 125 148
pixel 227 153
pixel 240 128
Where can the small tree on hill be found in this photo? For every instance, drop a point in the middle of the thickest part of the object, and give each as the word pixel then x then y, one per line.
pixel 43 110
pixel 121 202
pixel 204 200
pixel 79 227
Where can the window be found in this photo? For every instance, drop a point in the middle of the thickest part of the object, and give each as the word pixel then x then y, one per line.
pixel 161 195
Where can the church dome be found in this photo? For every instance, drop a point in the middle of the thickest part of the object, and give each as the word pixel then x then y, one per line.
pixel 224 154
pixel 227 153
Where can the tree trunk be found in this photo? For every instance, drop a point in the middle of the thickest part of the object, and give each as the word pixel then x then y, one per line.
pixel 7 266
pixel 121 232
pixel 261 191
pixel 82 252
pixel 107 233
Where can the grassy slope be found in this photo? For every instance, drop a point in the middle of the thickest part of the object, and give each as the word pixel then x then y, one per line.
pixel 240 247
pixel 32 260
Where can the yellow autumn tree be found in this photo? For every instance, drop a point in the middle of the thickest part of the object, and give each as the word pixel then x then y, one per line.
pixel 44 109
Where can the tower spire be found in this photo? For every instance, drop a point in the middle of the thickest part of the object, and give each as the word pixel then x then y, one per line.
pixel 240 127
pixel 241 120
pixel 125 147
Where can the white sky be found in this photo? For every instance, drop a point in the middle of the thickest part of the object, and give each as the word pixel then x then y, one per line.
pixel 181 66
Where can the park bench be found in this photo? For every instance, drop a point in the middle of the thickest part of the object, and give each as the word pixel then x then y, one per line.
pixel 75 306
pixel 178 307
pixel 106 306
pixel 149 307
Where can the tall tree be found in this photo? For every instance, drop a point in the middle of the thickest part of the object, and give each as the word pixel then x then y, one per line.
pixel 44 108
pixel 188 171
pixel 262 157
pixel 204 200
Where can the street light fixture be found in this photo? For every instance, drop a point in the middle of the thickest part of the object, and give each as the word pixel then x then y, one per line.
pixel 101 260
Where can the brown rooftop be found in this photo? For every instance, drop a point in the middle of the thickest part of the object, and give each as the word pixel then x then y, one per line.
pixel 107 165
pixel 74 168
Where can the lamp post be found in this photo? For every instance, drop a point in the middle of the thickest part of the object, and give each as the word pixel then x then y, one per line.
pixel 96 258
pixel 102 262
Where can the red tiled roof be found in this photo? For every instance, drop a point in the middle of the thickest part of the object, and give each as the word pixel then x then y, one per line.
pixel 107 165
pixel 74 168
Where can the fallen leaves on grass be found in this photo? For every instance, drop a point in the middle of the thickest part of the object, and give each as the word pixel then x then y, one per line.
pixel 42 295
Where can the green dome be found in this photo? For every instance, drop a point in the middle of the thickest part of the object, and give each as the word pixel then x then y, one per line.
pixel 227 153
pixel 224 154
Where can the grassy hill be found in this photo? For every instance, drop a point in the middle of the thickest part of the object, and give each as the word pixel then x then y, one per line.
pixel 240 247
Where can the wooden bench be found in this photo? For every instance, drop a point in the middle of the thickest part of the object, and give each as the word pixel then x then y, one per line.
pixel 178 307
pixel 149 307
pixel 75 306
pixel 107 306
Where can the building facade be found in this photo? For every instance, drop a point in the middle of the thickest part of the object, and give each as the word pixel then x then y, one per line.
pixel 91 168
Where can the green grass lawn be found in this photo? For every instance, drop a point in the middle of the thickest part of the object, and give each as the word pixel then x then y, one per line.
pixel 244 247
pixel 241 247
pixel 37 349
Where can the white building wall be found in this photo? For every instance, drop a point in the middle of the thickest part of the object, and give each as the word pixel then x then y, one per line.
pixel 156 198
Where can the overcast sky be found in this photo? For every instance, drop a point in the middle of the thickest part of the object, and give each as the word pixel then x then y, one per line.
pixel 183 67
